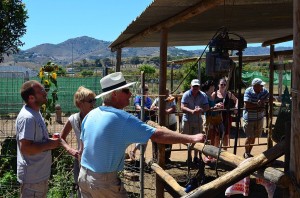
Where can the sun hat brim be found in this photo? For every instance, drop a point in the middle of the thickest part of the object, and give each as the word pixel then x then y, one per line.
pixel 107 92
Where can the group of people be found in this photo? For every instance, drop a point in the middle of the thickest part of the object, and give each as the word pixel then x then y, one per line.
pixel 223 103
pixel 103 133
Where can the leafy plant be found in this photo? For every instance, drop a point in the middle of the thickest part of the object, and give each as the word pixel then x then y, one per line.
pixel 61 182
pixel 13 16
pixel 9 150
pixel 9 180
pixel 9 186
pixel 48 75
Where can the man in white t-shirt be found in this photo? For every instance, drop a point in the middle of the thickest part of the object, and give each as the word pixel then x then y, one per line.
pixel 33 143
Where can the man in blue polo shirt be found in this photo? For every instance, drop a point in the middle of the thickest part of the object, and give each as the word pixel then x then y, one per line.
pixel 106 133
pixel 255 98
pixel 193 103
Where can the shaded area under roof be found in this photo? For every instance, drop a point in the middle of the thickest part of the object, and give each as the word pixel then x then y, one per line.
pixel 255 20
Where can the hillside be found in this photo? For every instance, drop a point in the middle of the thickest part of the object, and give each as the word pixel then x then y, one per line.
pixel 88 48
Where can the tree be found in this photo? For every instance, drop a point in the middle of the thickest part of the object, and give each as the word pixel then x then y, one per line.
pixel 98 62
pixel 135 60
pixel 155 60
pixel 84 63
pixel 191 72
pixel 106 62
pixel 149 71
pixel 86 73
pixel 12 26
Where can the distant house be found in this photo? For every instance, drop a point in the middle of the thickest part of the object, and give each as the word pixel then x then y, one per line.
pixel 16 71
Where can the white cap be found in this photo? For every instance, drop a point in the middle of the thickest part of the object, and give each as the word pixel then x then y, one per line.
pixel 195 82
pixel 258 81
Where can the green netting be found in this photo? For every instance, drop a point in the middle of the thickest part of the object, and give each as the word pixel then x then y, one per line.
pixel 11 101
pixel 249 76
pixel 67 86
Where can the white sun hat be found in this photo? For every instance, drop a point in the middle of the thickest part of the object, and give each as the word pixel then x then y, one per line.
pixel 112 82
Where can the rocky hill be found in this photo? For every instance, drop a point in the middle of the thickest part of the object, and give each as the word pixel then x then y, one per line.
pixel 88 48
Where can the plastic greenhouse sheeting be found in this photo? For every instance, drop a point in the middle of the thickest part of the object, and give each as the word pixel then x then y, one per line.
pixel 249 76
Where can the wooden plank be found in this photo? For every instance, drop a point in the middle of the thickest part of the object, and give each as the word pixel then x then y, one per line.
pixel 277 40
pixel 283 53
pixel 268 173
pixel 169 180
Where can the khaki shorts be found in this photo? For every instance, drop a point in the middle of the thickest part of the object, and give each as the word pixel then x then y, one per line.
pixel 100 185
pixel 192 128
pixel 38 190
pixel 253 128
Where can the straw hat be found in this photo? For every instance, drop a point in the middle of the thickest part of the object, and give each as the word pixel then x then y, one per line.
pixel 112 82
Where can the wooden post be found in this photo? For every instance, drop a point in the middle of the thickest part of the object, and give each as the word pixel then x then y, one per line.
pixel 271 88
pixel 295 132
pixel 172 73
pixel 118 64
pixel 142 147
pixel 280 76
pixel 162 105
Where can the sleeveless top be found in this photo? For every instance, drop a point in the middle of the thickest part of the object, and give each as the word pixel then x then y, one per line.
pixel 225 101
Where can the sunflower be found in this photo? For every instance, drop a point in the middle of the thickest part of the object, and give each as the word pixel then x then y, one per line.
pixel 41 74
pixel 46 83
pixel 54 75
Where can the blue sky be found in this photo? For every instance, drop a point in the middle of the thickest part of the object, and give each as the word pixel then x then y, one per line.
pixel 55 21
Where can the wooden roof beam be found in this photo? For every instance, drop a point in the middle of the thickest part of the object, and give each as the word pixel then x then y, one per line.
pixel 277 40
pixel 180 17
pixel 283 53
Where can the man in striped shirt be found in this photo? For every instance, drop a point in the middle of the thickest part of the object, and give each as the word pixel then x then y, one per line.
pixel 255 98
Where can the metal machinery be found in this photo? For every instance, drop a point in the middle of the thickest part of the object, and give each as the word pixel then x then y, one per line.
pixel 220 47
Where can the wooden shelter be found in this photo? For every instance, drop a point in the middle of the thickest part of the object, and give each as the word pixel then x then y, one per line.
pixel 194 22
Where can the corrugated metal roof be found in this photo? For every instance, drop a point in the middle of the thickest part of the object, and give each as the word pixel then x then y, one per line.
pixel 255 20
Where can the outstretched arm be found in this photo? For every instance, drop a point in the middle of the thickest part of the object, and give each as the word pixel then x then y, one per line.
pixel 165 136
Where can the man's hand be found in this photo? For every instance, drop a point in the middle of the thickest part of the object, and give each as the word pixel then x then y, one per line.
pixel 200 137
pixel 260 102
pixel 54 142
pixel 74 152
pixel 197 110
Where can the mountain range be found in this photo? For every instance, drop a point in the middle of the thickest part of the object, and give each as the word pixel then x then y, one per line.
pixel 77 49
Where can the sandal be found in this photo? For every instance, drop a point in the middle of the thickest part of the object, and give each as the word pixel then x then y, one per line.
pixel 247 155
pixel 206 160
